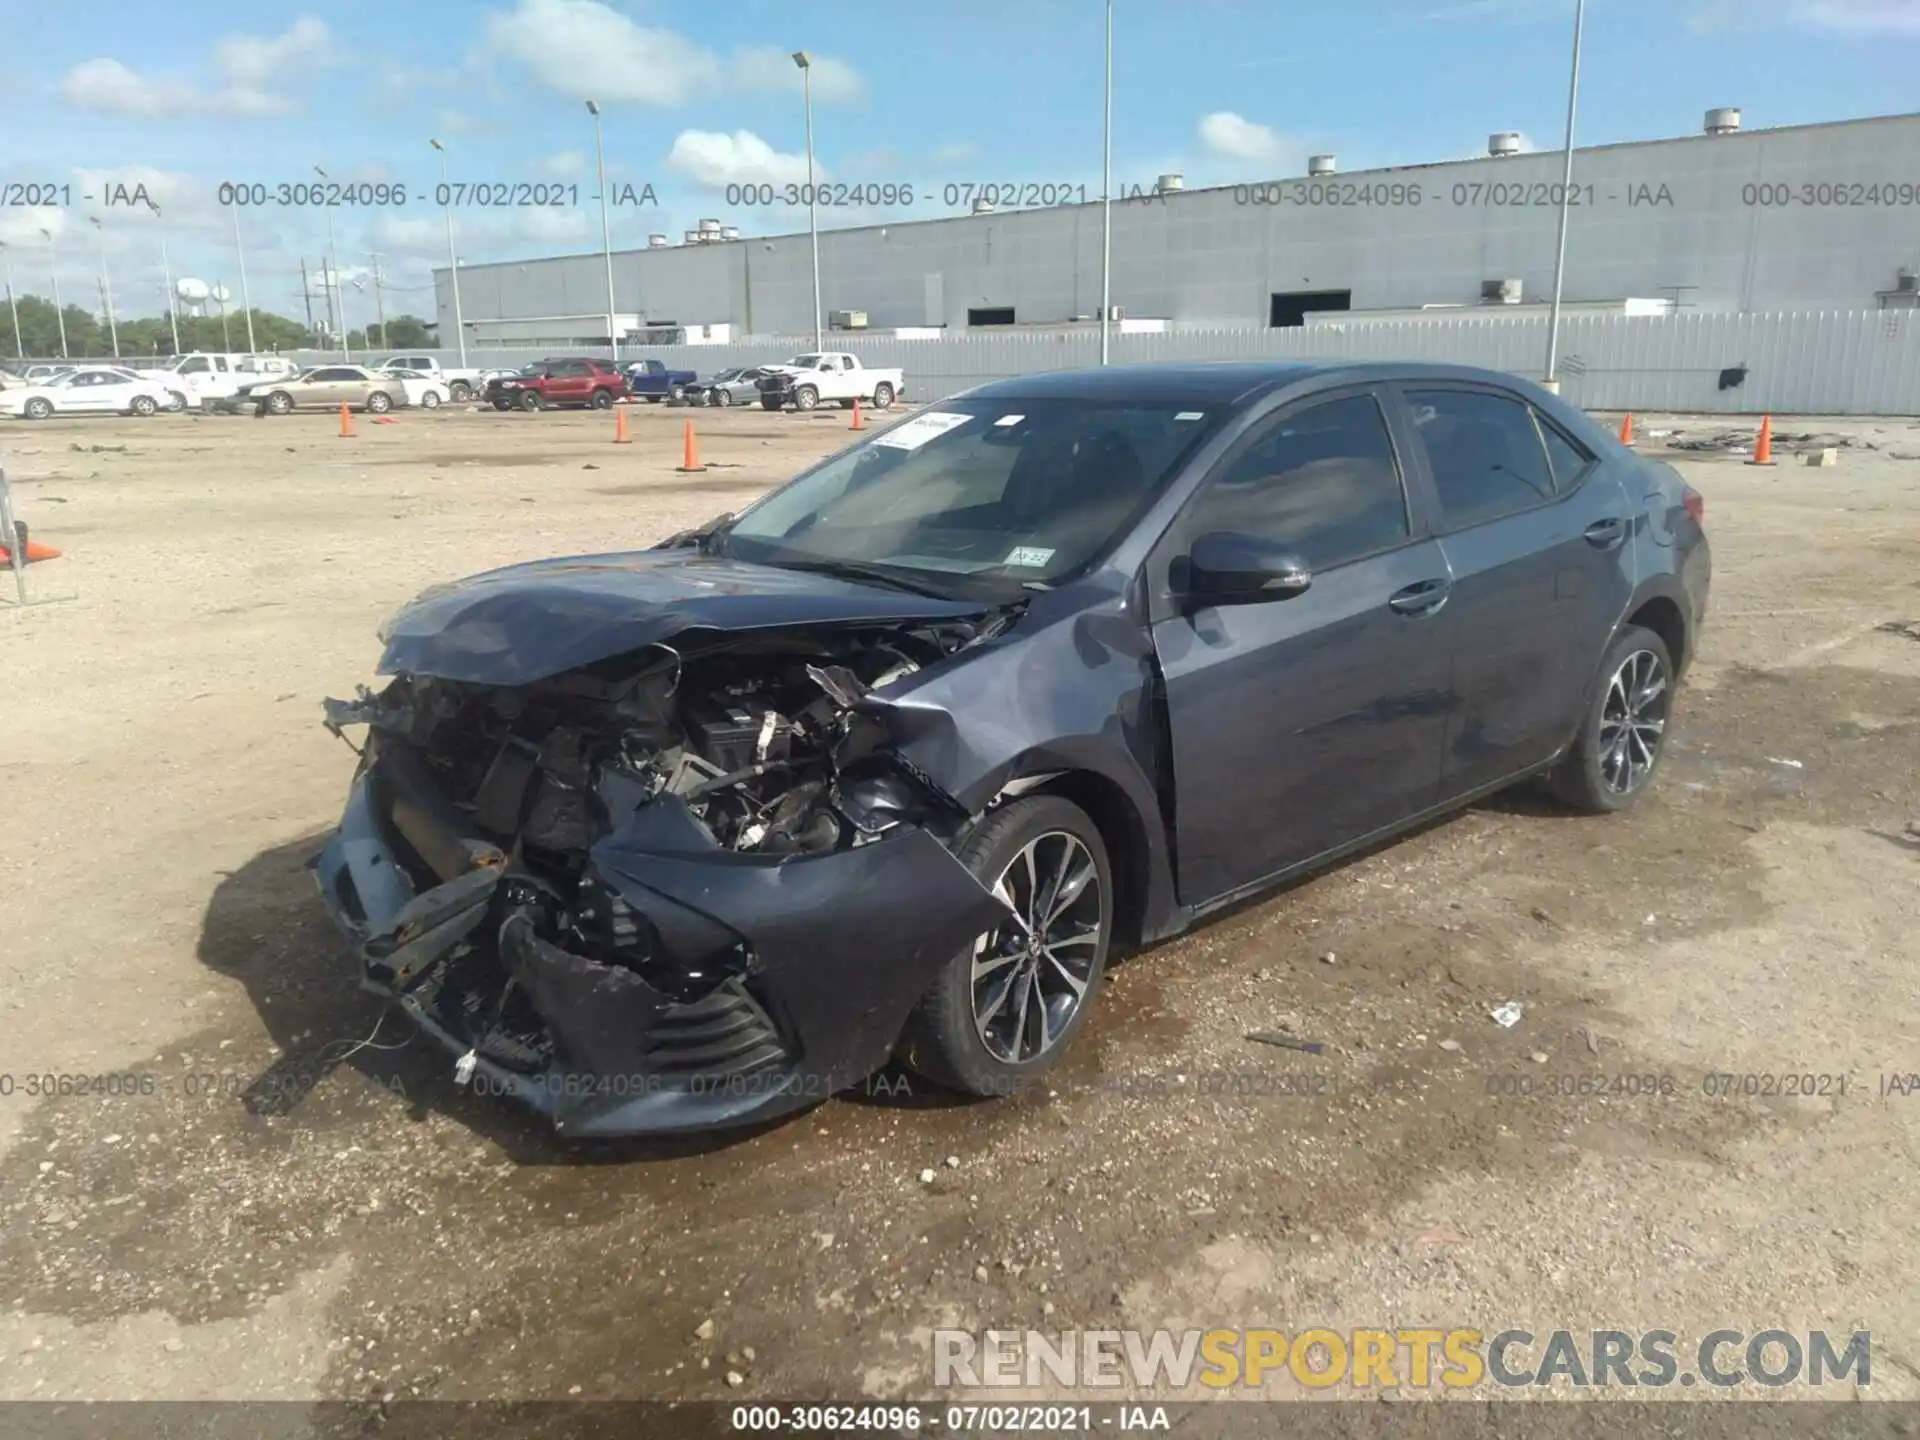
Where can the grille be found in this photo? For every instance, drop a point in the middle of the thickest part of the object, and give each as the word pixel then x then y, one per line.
pixel 720 1036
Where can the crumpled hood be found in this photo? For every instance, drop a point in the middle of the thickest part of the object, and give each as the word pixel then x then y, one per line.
pixel 527 622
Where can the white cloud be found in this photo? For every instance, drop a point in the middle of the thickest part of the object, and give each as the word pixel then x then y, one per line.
pixel 718 160
pixel 565 165
pixel 955 154
pixel 590 51
pixel 767 67
pixel 1227 134
pixel 252 75
pixel 1863 17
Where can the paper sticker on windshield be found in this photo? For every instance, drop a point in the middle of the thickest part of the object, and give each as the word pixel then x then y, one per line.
pixel 1009 420
pixel 1030 557
pixel 1191 415
pixel 912 434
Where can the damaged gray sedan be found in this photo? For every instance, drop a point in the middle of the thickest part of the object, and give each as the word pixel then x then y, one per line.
pixel 884 766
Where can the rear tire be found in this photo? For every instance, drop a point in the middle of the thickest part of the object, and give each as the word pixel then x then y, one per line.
pixel 959 1036
pixel 882 395
pixel 379 402
pixel 1623 734
pixel 430 400
pixel 460 391
pixel 603 399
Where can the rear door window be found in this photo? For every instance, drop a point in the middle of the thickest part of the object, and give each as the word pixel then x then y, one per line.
pixel 1485 454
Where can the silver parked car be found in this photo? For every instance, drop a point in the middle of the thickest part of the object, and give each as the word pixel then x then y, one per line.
pixel 326 387
pixel 733 387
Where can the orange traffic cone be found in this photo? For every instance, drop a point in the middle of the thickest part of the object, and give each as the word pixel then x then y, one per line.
pixel 1626 429
pixel 346 420
pixel 1763 450
pixel 690 460
pixel 857 424
pixel 35 552
pixel 620 426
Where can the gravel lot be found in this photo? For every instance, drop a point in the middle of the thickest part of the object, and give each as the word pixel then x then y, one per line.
pixel 276 1214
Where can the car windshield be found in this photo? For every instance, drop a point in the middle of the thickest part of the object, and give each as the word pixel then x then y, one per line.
pixel 726 377
pixel 977 495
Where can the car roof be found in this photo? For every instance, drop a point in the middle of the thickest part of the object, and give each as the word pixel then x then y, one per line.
pixel 1220 382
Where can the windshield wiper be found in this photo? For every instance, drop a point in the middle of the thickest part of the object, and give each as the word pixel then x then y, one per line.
pixel 856 570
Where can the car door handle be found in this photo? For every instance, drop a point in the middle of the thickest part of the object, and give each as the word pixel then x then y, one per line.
pixel 1423 598
pixel 1605 534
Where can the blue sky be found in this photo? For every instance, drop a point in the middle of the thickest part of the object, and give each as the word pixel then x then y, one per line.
pixel 932 93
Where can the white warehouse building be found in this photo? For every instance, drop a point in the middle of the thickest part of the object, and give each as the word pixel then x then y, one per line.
pixel 1799 218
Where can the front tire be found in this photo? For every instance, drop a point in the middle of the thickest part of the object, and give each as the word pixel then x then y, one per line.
pixel 1623 734
pixel 38 408
pixel 806 397
pixel 722 398
pixel 176 402
pixel 430 400
pixel 1006 1008
pixel 142 405
pixel 677 393
pixel 280 403
pixel 530 400
pixel 772 402
pixel 460 391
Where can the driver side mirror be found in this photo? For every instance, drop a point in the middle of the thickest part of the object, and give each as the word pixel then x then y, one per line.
pixel 1225 568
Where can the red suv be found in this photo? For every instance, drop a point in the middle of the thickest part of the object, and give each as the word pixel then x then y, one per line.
pixel 547 383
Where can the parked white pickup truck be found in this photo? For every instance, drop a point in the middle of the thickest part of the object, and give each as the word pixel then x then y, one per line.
pixel 807 380
pixel 461 384
pixel 211 379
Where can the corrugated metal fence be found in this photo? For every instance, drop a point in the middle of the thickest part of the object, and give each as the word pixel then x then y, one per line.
pixel 1833 362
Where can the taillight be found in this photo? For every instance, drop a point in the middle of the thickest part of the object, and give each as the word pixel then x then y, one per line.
pixel 1694 503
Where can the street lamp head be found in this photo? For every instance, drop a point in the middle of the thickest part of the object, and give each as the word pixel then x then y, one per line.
pixel 318 171
pixel 437 145
pixel 593 107
pixel 802 59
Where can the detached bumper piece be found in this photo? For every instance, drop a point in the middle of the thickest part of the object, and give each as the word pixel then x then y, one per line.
pixel 693 987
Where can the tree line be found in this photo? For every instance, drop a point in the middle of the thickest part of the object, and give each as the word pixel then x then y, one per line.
pixel 148 337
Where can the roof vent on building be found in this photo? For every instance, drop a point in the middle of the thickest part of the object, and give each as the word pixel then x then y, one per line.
pixel 1507 142
pixel 1723 122
pixel 983 207
pixel 729 232
pixel 709 227
pixel 1906 282
pixel 656 242
pixel 1321 165
pixel 1167 184
pixel 692 238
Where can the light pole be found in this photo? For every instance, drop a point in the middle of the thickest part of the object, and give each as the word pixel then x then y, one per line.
pixel 20 346
pixel 246 300
pixel 1566 203
pixel 1106 202
pixel 166 269
pixel 606 229
pixel 453 260
pixel 59 310
pixel 106 286
pixel 336 302
pixel 805 62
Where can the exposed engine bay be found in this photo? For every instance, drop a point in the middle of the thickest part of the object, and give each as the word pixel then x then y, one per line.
pixel 758 738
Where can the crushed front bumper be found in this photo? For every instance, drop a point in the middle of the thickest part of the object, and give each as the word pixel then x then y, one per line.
pixel 791 976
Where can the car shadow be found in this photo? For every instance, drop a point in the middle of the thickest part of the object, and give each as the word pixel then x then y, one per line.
pixel 265 927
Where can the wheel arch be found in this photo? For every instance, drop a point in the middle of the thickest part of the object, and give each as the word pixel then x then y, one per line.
pixel 1123 830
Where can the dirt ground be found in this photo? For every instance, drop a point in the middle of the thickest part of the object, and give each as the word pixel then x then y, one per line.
pixel 275 1213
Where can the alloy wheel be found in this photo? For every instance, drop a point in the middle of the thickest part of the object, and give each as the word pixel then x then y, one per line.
pixel 1031 974
pixel 1633 721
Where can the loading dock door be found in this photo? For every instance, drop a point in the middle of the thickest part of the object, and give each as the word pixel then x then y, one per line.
pixel 1289 310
